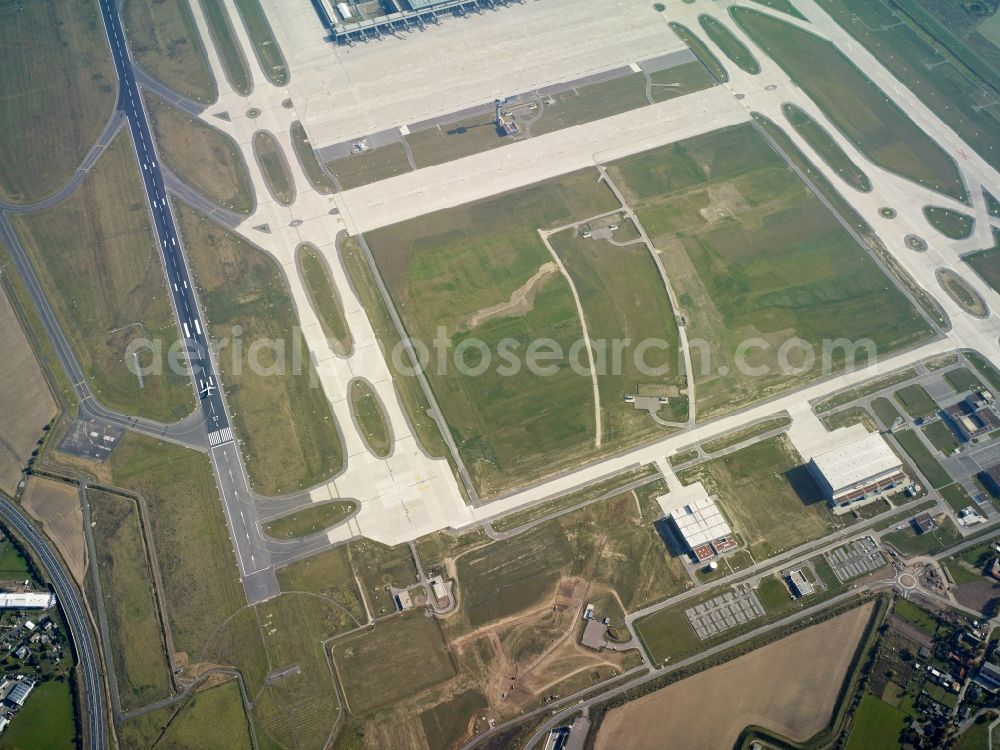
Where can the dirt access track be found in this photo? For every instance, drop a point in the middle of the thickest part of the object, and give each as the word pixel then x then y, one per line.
pixel 789 686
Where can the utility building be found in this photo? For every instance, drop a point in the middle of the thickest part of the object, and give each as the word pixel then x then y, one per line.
pixel 858 472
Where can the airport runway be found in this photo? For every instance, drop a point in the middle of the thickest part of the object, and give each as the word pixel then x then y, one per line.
pixel 76 619
pixel 252 555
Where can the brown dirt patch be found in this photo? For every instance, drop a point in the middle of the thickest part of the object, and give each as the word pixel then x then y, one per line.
pixel 789 686
pixel 976 595
pixel 56 506
pixel 25 400
pixel 521 299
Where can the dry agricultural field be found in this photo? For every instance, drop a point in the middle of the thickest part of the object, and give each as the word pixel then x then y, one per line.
pixel 789 687
pixel 56 506
pixel 26 401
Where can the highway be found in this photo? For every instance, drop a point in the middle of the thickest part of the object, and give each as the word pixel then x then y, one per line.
pixel 253 558
pixel 76 619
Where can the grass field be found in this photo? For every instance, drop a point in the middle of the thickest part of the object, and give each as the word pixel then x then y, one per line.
pixel 326 304
pixel 507 577
pixel 454 140
pixel 987 263
pixel 962 379
pixel 397 658
pixel 265 46
pixel 408 387
pixel 226 44
pixel 623 297
pixel 199 572
pixel 985 368
pixel 927 303
pixel 916 401
pixel 773 686
pixel 310 520
pixel 13 567
pixel 212 718
pixel 923 62
pixel 328 574
pixel 204 157
pixel 26 400
pixel 534 512
pixel 883 132
pixel 679 80
pixel 828 149
pixel 308 160
pixel 922 457
pixel 701 51
pixel 876 724
pixel 139 650
pixel 287 432
pixel 208 719
pixel 754 256
pixel 301 708
pixel 370 166
pixel 909 542
pixel 45 722
pixel 950 223
pixel 370 416
pixel 956 496
pixel 58 89
pixel 445 268
pixel 272 162
pixel 610 543
pixel 755 489
pixel 731 47
pixel 165 41
pixel 941 437
pixel 590 103
pixel 868 388
pixel 447 722
pixel 97 258
pixel 378 568
pixel 961 293
pixel 745 433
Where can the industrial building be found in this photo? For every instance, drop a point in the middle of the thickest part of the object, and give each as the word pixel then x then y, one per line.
pixel 35 600
pixel 19 693
pixel 353 22
pixel 858 472
pixel 703 528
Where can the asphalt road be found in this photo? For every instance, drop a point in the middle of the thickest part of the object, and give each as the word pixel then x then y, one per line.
pixel 253 558
pixel 76 618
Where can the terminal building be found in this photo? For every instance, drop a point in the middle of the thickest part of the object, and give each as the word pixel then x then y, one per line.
pixel 858 472
pixel 352 21
pixel 703 528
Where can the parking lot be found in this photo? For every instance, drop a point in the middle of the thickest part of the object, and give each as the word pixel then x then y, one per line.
pixel 855 559
pixel 724 612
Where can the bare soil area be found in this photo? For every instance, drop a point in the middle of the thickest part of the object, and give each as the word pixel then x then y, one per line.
pixel 789 686
pixel 521 299
pixel 25 401
pixel 977 595
pixel 56 506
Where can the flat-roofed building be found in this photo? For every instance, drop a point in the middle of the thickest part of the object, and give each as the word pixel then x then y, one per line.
pixel 800 584
pixel 703 528
pixel 32 600
pixel 858 472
